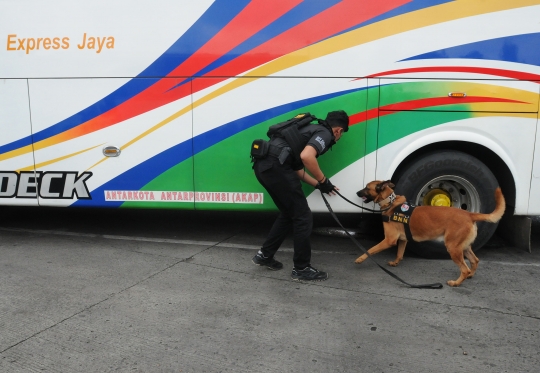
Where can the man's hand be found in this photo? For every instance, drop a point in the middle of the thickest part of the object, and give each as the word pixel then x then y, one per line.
pixel 326 186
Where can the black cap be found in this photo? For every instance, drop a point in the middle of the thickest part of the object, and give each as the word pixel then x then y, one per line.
pixel 338 118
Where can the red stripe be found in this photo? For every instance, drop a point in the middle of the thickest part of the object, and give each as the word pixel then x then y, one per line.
pixel 335 19
pixel 364 116
pixel 254 17
pixel 439 101
pixel 464 69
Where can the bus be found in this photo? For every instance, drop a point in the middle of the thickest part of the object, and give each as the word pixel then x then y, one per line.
pixel 139 104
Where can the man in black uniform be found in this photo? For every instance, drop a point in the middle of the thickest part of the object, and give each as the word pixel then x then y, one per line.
pixel 281 177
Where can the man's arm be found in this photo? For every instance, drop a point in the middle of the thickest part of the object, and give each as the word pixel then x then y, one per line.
pixel 309 159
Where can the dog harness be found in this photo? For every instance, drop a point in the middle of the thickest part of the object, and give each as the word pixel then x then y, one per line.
pixel 402 216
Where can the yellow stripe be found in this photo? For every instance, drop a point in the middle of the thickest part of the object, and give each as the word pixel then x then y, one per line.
pixel 15 153
pixel 407 22
pixel 502 114
pixel 392 26
pixel 43 164
pixel 149 131
pixel 157 126
pixel 95 164
pixel 422 18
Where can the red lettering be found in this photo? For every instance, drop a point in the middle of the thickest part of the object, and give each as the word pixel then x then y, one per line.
pixel 130 196
pixel 169 196
pixel 152 197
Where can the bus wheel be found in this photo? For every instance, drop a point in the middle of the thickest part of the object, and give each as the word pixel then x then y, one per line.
pixel 453 179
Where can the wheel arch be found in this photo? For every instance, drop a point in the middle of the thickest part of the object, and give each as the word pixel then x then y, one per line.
pixel 494 162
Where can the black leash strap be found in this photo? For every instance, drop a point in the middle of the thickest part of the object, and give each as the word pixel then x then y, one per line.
pixel 423 286
pixel 362 207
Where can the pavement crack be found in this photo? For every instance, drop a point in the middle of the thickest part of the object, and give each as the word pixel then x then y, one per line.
pixel 324 285
pixel 109 297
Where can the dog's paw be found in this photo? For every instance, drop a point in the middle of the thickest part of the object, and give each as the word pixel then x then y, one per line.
pixel 359 260
pixel 453 283
pixel 394 263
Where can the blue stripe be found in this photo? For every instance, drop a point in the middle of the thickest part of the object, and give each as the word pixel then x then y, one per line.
pixel 217 16
pixel 403 9
pixel 516 48
pixel 16 144
pixel 212 137
pixel 294 17
pixel 137 177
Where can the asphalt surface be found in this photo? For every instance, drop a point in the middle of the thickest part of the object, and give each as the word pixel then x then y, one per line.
pixel 170 291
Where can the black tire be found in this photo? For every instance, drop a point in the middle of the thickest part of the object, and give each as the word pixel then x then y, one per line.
pixel 449 178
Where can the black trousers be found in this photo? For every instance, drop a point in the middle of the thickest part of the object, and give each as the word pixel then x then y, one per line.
pixel 285 188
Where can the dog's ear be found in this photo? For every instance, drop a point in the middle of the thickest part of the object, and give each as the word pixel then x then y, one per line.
pixel 382 186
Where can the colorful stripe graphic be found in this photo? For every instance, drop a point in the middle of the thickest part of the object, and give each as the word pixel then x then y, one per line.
pixel 259 38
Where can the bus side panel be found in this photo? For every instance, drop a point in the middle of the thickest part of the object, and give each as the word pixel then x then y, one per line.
pixel 101 38
pixel 534 201
pixel 509 135
pixel 372 130
pixel 498 114
pixel 18 183
pixel 225 126
pixel 154 165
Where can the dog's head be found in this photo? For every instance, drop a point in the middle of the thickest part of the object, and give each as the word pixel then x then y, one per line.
pixel 376 191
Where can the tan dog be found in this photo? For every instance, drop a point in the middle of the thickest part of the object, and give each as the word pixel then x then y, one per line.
pixel 456 227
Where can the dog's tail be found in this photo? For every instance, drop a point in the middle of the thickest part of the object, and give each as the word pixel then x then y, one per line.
pixel 497 214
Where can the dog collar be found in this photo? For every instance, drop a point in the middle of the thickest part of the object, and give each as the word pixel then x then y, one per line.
pixel 388 200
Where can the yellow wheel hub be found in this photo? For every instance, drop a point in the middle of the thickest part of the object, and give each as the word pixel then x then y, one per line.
pixel 437 197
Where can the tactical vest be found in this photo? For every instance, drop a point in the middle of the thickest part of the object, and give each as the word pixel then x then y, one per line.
pixel 402 216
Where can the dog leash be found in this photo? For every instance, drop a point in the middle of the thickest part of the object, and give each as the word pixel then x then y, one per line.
pixel 362 207
pixel 422 286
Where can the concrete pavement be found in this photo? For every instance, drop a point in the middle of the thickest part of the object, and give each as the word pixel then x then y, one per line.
pixel 78 297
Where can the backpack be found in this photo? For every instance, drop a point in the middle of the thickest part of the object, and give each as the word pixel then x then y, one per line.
pixel 301 120
pixel 290 131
